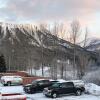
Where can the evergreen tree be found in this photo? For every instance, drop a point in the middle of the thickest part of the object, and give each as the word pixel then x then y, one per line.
pixel 2 64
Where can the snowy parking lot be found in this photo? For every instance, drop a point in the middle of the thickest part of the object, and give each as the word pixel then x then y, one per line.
pixel 40 96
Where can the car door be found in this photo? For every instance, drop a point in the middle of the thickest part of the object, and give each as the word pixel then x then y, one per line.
pixel 13 79
pixel 62 88
pixel 47 83
pixel 16 80
pixel 69 88
pixel 43 84
pixel 40 85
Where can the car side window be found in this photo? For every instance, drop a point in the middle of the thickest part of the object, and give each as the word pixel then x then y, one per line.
pixel 54 82
pixel 63 85
pixel 69 84
pixel 46 81
pixel 40 82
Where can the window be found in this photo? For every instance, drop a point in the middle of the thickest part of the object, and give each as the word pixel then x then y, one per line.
pixel 34 82
pixel 63 85
pixel 69 84
pixel 56 85
pixel 46 81
pixel 66 85
pixel 40 82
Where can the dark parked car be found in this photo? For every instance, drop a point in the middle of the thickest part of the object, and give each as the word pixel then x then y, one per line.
pixel 60 88
pixel 38 85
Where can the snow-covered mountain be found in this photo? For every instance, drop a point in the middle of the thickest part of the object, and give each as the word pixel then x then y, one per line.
pixel 29 34
pixel 93 44
pixel 28 46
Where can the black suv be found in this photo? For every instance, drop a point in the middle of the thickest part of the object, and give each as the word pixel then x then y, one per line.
pixel 60 88
pixel 38 85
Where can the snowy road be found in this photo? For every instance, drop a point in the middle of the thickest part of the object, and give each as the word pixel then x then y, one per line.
pixel 40 96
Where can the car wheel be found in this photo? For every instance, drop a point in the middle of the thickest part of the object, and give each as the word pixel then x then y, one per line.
pixel 54 95
pixel 78 92
pixel 9 83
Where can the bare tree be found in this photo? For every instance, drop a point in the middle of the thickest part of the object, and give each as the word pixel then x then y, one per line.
pixel 44 29
pixel 55 29
pixel 59 31
pixel 75 31
pixel 55 32
pixel 74 36
pixel 83 63
pixel 86 37
pixel 62 30
pixel 83 58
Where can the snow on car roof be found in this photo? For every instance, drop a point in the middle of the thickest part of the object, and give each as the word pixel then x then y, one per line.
pixel 11 76
pixel 61 80
pixel 41 79
pixel 75 81
pixel 51 80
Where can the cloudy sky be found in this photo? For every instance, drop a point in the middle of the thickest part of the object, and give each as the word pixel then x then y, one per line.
pixel 35 11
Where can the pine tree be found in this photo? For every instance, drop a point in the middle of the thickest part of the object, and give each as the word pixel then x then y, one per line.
pixel 2 64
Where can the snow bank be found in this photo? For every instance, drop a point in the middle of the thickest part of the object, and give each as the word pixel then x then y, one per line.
pixel 92 89
pixel 11 89
pixel 92 77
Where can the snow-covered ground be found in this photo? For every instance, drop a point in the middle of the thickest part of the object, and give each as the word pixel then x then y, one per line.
pixel 38 72
pixel 39 96
pixel 11 89
pixel 92 89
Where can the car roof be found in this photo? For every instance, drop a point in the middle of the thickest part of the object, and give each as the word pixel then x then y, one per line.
pixel 54 81
pixel 41 79
pixel 74 81
pixel 11 76
pixel 61 80
pixel 65 82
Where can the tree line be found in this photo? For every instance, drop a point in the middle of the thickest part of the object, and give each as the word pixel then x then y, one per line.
pixel 73 35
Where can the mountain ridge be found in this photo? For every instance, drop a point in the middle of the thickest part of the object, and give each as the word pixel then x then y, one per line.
pixel 28 46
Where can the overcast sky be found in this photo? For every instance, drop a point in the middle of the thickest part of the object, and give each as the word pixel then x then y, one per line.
pixel 35 11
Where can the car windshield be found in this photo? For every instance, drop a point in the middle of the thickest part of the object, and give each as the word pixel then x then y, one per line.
pixel 56 85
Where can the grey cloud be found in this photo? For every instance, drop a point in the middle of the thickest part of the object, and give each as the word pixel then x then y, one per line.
pixel 48 9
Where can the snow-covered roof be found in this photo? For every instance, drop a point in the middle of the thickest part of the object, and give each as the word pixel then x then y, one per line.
pixel 74 81
pixel 11 76
pixel 61 80
pixel 40 79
